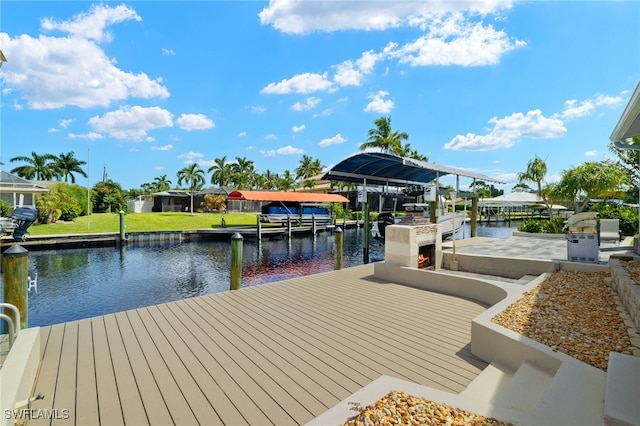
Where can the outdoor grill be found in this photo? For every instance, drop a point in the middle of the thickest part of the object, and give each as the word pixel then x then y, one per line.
pixel 582 238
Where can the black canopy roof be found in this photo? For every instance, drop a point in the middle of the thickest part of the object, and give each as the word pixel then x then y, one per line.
pixel 378 168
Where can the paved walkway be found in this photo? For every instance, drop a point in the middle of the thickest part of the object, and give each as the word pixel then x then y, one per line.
pixel 532 247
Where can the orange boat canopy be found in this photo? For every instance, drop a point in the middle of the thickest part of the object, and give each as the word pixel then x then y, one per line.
pixel 296 197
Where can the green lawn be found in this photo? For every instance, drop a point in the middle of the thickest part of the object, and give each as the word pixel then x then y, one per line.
pixel 141 222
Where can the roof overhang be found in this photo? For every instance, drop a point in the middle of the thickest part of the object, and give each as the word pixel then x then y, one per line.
pixel 629 124
pixel 378 168
pixel 296 197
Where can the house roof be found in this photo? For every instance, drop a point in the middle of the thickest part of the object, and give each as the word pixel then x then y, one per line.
pixel 298 197
pixel 13 183
pixel 629 124
pixel 513 198
pixel 378 168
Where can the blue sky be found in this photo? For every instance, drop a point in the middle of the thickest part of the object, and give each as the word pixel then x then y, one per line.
pixel 141 89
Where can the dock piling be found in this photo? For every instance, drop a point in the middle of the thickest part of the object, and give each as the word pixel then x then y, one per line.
pixel 337 264
pixel 236 261
pixel 122 238
pixel 15 263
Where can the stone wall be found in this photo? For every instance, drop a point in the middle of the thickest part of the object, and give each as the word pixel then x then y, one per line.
pixel 628 290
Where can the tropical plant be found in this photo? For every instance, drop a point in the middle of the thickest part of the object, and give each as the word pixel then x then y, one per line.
pixel 161 183
pixel 65 165
pixel 222 172
pixel 5 208
pixel 214 202
pixel 582 183
pixel 535 173
pixel 286 182
pixel 193 175
pixel 107 196
pixel 383 138
pixel 243 173
pixel 38 167
pixel 309 184
pixel 308 168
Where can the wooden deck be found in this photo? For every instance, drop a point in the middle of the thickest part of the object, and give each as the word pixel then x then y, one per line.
pixel 279 353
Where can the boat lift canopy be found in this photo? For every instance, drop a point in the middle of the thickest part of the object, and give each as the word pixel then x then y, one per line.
pixel 296 197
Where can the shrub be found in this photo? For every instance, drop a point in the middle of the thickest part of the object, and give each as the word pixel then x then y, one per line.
pixel 63 201
pixel 533 226
pixel 628 216
pixel 5 208
pixel 554 226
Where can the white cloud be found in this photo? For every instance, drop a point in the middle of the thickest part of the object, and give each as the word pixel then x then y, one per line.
pixel 299 17
pixel 65 123
pixel 167 147
pixel 591 153
pixel 268 153
pixel 378 104
pixel 289 150
pixel 347 75
pixel 191 157
pixel 309 104
pixel 168 52
pixel 53 72
pixel 337 139
pixel 509 130
pixel 132 122
pixel 299 128
pixel 301 83
pixel 242 134
pixel 257 109
pixel 191 122
pixel 575 109
pixel 90 136
pixel 271 137
pixel 53 130
pixel 455 41
pixel 133 149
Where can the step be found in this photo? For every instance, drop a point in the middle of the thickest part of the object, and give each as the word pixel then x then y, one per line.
pixel 621 390
pixel 525 389
pixel 485 386
pixel 575 397
pixel 526 279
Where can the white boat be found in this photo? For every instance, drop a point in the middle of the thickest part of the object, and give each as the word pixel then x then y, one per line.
pixel 446 221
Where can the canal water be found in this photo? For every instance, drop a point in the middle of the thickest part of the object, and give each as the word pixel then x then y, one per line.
pixel 79 283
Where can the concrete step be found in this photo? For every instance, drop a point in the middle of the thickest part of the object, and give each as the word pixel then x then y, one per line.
pixel 525 389
pixel 621 390
pixel 485 386
pixel 575 396
pixel 526 279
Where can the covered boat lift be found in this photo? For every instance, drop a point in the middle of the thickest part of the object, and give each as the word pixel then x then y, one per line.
pixel 389 170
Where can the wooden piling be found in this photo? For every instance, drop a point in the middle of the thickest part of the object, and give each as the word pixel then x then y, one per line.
pixel 236 261
pixel 258 227
pixel 313 226
pixel 337 264
pixel 15 263
pixel 289 228
pixel 474 216
pixel 122 236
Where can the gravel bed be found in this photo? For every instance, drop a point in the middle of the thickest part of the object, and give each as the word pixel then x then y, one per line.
pixel 398 408
pixel 574 313
pixel 633 267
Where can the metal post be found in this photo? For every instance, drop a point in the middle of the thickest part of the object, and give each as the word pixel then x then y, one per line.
pixel 337 264
pixel 259 227
pixel 121 227
pixel 313 226
pixel 15 263
pixel 367 234
pixel 289 227
pixel 236 261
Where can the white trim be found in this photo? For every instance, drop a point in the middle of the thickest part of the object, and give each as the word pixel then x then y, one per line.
pixel 629 120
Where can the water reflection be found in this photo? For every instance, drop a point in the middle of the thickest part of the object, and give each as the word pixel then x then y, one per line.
pixel 80 283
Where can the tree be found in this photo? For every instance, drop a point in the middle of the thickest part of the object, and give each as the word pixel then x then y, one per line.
pixel 589 180
pixel 522 187
pixel 629 160
pixel 243 173
pixel 268 180
pixel 161 183
pixel 107 196
pixel 222 172
pixel 67 164
pixel 286 182
pixel 481 188
pixel 40 167
pixel 193 175
pixel 406 151
pixel 308 168
pixel 535 173
pixel 383 138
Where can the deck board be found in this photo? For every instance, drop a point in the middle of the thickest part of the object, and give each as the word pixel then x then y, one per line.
pixel 280 353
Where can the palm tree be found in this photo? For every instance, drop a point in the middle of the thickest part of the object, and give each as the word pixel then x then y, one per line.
pixel 67 164
pixel 381 137
pixel 194 176
pixel 269 180
pixel 535 173
pixel 222 172
pixel 161 183
pixel 286 182
pixel 37 167
pixel 308 168
pixel 243 173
